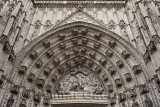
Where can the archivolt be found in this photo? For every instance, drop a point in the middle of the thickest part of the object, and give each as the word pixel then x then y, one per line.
pixel 114 60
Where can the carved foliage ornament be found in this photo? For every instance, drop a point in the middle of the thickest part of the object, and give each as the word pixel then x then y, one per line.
pixel 79 80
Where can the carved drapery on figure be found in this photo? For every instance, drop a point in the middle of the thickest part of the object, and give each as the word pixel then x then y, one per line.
pixel 79 80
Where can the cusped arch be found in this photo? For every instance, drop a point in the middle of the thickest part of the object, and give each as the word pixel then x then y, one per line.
pixel 103 48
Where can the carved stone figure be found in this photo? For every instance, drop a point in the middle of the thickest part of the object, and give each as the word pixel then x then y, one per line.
pixel 135 104
pixel 10 101
pixel 148 102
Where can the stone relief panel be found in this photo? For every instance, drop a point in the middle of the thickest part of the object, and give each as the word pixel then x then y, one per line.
pixel 79 81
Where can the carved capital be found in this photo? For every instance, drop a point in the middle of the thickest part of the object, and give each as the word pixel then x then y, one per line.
pixel 25 94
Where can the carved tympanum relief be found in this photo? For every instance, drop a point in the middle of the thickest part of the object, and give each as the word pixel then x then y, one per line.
pixel 79 80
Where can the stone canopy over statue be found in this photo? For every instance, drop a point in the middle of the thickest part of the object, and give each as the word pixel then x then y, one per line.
pixel 80 80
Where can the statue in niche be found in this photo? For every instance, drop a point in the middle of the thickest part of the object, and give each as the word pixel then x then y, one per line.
pixel 10 102
pixel 135 104
pixel 79 80
pixel 148 102
pixel 124 105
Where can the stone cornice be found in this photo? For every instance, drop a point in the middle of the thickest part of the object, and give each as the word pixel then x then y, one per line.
pixel 79 2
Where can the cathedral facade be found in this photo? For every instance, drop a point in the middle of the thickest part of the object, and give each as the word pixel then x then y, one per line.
pixel 79 53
